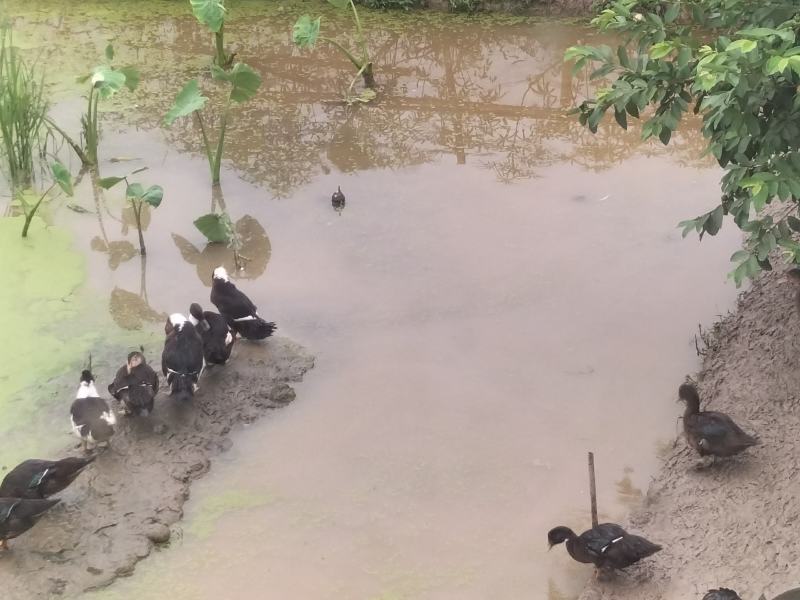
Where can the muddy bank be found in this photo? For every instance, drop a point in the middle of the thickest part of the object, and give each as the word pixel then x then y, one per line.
pixel 116 512
pixel 733 524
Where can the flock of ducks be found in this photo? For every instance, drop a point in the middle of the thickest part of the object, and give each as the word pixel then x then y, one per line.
pixel 204 339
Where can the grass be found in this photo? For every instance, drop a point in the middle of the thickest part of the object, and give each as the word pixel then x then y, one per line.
pixel 22 112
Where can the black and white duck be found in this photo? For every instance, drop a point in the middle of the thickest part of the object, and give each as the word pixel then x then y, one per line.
pixel 17 515
pixel 182 358
pixel 711 433
pixel 37 479
pixel 217 336
pixel 91 417
pixel 607 546
pixel 237 308
pixel 721 594
pixel 338 200
pixel 135 385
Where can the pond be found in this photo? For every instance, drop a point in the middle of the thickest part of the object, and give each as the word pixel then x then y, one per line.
pixel 502 292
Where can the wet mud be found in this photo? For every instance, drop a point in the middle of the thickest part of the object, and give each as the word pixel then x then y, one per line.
pixel 732 524
pixel 128 500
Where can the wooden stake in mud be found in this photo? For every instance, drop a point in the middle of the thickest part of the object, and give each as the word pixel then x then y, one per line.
pixel 592 489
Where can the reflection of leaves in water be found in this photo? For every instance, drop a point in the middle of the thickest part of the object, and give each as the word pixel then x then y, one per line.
pixel 130 311
pixel 626 492
pixel 118 252
pixel 255 250
pixel 129 219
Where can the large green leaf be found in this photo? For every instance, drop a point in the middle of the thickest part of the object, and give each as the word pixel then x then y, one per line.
pixel 306 31
pixel 216 227
pixel 61 177
pixel 107 81
pixel 188 100
pixel 108 182
pixel 132 77
pixel 153 195
pixel 135 190
pixel 243 79
pixel 210 13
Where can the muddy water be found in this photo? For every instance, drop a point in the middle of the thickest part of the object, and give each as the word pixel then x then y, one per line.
pixel 502 292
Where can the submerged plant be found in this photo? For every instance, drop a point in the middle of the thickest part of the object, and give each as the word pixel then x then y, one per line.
pixel 211 13
pixel 22 111
pixel 244 83
pixel 219 229
pixel 106 81
pixel 306 32
pixel 138 197
pixel 61 178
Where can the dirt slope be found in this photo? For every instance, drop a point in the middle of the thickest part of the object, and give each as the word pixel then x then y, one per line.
pixel 735 524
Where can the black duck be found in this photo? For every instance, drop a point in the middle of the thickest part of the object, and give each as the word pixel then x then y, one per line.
pixel 217 337
pixel 607 546
pixel 238 309
pixel 17 515
pixel 338 200
pixel 182 358
pixel 721 594
pixel 711 433
pixel 37 479
pixel 135 385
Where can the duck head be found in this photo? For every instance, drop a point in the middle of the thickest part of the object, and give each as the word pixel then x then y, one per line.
pixel 86 388
pixel 195 313
pixel 135 359
pixel 688 393
pixel 177 320
pixel 559 535
pixel 220 273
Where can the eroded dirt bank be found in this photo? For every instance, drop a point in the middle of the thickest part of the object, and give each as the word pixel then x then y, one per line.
pixel 127 500
pixel 733 524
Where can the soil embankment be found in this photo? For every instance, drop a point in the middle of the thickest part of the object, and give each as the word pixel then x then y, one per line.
pixel 733 524
pixel 126 502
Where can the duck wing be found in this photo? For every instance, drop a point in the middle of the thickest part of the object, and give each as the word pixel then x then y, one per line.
pixel 17 515
pixel 23 481
pixel 598 538
pixel 624 551
pixel 231 302
pixel 717 434
pixel 120 382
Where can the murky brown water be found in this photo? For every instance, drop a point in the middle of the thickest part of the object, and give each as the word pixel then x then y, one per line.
pixel 503 292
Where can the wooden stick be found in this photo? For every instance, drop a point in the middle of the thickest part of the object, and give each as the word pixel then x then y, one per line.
pixel 592 489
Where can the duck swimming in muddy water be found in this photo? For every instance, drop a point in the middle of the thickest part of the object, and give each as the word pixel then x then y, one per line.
pixel 182 358
pixel 711 433
pixel 18 515
pixel 91 417
pixel 237 308
pixel 217 336
pixel 607 546
pixel 135 385
pixel 37 479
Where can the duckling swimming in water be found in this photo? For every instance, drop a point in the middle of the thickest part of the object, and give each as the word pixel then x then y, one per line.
pixel 18 515
pixel 135 385
pixel 37 479
pixel 711 433
pixel 237 308
pixel 91 417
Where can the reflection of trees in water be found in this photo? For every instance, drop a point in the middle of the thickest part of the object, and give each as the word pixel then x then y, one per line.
pixel 496 94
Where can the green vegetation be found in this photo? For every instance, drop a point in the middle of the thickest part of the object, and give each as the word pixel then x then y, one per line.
pixel 464 6
pixel 736 63
pixel 138 197
pixel 306 32
pixel 22 111
pixel 61 178
pixel 244 83
pixel 391 4
pixel 211 13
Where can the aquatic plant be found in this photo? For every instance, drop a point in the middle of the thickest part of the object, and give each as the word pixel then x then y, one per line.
pixel 211 13
pixel 106 81
pixel 138 197
pixel 306 33
pixel 22 111
pixel 218 228
pixel 244 83
pixel 30 204
pixel 737 64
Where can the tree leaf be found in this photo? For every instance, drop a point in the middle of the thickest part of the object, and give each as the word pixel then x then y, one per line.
pixel 714 221
pixel 743 46
pixel 794 223
pixel 132 77
pixel 110 52
pixel 153 195
pixel 305 31
pixel 188 100
pixel 210 13
pixel 216 227
pixel 621 118
pixel 134 190
pixel 108 182
pixel 243 79
pixel 664 135
pixel 61 177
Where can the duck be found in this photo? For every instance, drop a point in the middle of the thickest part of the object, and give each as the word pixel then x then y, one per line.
pixel 216 334
pixel 18 515
pixel 711 433
pixel 182 358
pixel 91 417
pixel 721 594
pixel 135 385
pixel 36 479
pixel 338 200
pixel 606 546
pixel 237 308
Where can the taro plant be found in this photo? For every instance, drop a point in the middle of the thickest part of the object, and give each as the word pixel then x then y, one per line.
pixel 306 33
pixel 211 13
pixel 29 202
pixel 22 111
pixel 218 228
pixel 138 196
pixel 244 83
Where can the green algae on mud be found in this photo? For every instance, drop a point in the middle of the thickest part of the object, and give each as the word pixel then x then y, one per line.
pixel 212 508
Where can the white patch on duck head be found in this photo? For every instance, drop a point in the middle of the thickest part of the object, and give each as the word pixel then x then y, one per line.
pixel 87 390
pixel 192 320
pixel 221 273
pixel 177 320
